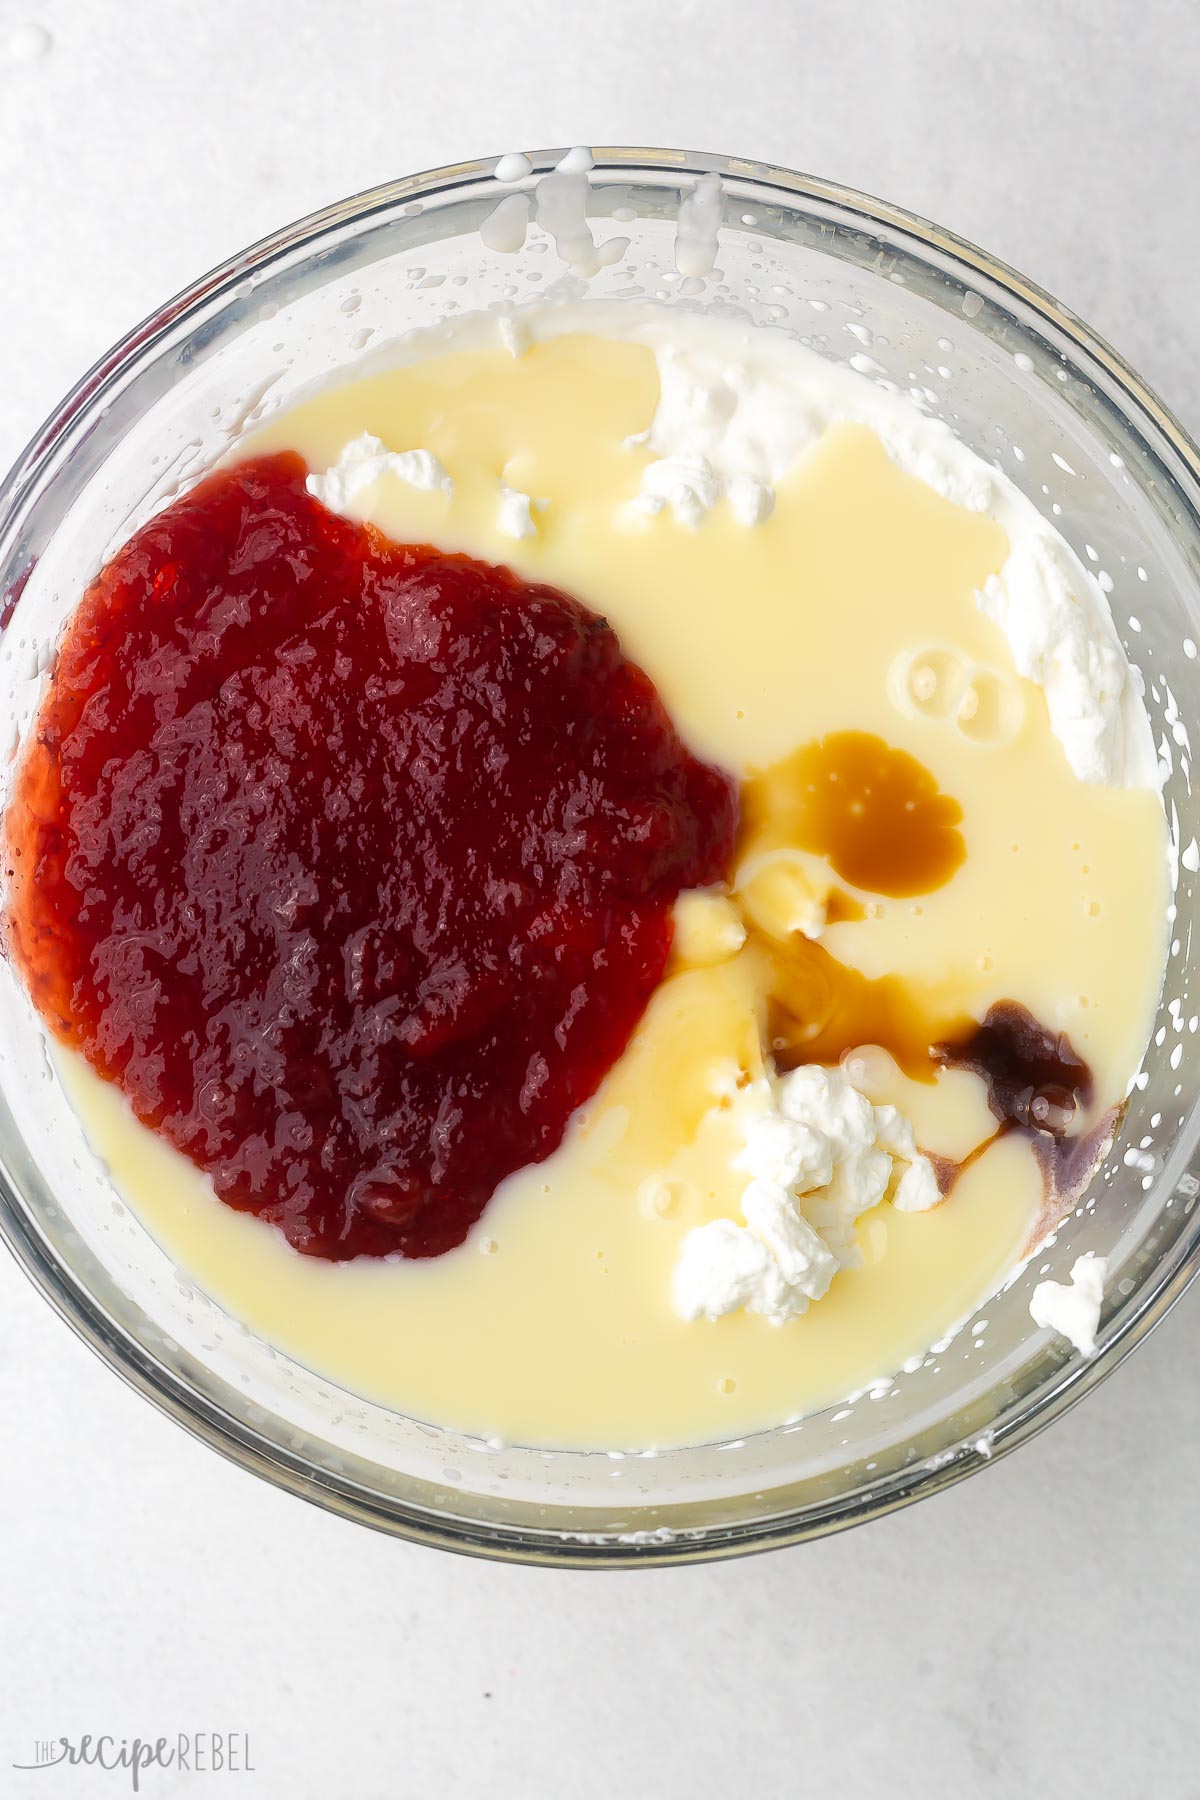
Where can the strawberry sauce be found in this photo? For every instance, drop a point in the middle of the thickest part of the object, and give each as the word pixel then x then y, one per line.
pixel 351 862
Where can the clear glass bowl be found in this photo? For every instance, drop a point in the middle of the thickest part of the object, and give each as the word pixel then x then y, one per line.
pixel 1020 380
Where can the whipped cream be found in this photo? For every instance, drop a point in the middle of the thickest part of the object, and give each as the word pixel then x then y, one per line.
pixel 1073 1310
pixel 504 230
pixel 697 226
pixel 786 891
pixel 818 1154
pixel 562 198
pixel 514 515
pixel 514 166
pixel 739 406
pixel 708 927
pixel 364 461
pixel 690 486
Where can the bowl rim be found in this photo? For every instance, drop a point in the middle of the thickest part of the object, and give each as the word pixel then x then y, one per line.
pixel 195 1412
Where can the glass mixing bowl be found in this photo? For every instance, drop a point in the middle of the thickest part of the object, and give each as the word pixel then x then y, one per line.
pixel 1027 386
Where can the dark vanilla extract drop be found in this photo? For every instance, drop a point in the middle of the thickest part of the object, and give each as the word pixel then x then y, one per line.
pixel 1037 1084
pixel 1034 1078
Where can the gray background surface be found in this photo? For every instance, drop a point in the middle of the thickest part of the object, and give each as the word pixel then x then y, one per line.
pixel 1032 1632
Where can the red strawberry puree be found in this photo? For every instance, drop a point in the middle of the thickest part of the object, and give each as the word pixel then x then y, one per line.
pixel 351 862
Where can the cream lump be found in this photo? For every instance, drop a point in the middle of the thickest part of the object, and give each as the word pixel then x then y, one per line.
pixel 1073 1308
pixel 818 1155
pixel 773 537
pixel 363 462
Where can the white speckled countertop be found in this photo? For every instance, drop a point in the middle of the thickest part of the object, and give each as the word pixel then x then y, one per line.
pixel 1030 1633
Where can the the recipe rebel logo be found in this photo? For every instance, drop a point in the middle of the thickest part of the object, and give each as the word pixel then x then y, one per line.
pixel 188 1753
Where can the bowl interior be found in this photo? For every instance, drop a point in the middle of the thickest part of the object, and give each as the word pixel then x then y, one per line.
pixel 1024 386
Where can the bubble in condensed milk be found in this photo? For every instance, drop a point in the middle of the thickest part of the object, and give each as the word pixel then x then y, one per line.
pixel 928 683
pixel 938 683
